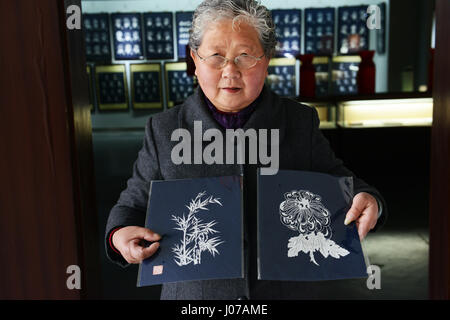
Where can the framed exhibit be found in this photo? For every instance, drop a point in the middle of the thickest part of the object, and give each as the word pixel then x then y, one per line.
pixel 344 75
pixel 179 85
pixel 282 76
pixel 159 36
pixel 146 86
pixel 96 30
pixel 319 31
pixel 353 34
pixel 183 24
pixel 288 31
pixel 112 87
pixel 127 35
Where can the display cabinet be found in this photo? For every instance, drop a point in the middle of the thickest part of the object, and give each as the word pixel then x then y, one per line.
pixel 385 112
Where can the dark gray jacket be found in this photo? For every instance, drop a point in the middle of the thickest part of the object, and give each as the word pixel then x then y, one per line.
pixel 302 147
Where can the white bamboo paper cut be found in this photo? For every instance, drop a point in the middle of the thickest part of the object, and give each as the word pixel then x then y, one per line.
pixel 196 233
pixel 304 212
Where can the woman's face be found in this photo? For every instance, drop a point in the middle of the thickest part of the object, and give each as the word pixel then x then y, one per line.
pixel 230 89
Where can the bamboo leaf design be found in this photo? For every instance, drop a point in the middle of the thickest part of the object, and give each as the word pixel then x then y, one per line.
pixel 195 232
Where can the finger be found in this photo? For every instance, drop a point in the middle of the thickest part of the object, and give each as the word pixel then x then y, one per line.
pixel 149 251
pixel 147 234
pixel 139 253
pixel 359 204
pixel 369 217
pixel 352 214
pixel 363 229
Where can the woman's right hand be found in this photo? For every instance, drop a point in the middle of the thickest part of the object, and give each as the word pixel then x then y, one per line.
pixel 128 241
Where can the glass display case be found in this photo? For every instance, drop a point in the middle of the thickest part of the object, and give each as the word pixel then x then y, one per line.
pixel 385 112
pixel 327 113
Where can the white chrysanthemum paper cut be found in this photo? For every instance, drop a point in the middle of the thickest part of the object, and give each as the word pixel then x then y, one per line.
pixel 196 234
pixel 304 212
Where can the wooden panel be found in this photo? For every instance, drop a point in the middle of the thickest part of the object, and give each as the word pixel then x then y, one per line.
pixel 439 267
pixel 40 199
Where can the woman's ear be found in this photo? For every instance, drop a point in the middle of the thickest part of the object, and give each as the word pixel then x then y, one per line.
pixel 193 55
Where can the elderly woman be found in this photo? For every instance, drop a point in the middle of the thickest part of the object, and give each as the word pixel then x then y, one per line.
pixel 231 44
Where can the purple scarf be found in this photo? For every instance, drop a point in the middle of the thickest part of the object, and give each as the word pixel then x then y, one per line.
pixel 232 120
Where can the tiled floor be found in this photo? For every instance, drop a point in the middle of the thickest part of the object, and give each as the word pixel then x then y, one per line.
pixel 403 260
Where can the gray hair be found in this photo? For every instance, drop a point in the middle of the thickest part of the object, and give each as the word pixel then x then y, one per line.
pixel 250 11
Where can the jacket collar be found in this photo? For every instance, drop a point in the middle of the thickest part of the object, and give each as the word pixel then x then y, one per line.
pixel 268 114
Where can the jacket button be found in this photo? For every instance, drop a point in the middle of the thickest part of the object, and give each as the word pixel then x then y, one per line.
pixel 242 298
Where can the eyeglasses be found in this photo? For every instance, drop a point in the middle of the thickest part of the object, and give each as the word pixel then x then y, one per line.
pixel 244 61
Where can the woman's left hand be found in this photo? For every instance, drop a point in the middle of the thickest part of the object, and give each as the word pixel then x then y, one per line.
pixel 364 211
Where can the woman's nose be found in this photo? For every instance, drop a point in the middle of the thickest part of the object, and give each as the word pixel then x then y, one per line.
pixel 231 71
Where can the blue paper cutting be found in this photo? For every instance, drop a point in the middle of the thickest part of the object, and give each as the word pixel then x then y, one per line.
pixel 200 221
pixel 301 231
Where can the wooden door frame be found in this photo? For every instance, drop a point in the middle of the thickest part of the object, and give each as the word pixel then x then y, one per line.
pixel 439 263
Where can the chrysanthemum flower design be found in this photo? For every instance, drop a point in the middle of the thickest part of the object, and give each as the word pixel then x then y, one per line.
pixel 304 212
